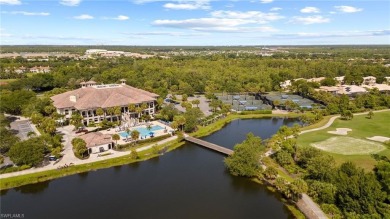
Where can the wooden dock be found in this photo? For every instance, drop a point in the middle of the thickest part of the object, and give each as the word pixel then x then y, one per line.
pixel 209 145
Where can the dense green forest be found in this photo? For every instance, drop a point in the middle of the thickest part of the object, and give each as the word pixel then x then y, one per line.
pixel 187 74
pixel 344 191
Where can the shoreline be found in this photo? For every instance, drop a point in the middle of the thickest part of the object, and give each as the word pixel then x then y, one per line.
pixel 9 182
pixel 32 178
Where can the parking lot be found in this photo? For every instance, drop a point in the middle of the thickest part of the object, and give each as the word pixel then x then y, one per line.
pixel 23 127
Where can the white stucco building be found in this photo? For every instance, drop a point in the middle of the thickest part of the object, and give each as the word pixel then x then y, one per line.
pixel 91 97
pixel 97 142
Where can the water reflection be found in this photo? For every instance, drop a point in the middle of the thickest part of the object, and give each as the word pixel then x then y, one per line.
pixel 181 184
pixel 83 175
pixel 33 188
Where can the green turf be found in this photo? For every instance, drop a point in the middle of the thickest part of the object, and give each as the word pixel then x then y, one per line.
pixel 349 146
pixel 362 128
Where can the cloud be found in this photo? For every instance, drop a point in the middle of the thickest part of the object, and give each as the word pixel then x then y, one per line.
pixel 310 10
pixel 225 21
pixel 84 17
pixel 255 16
pixel 347 9
pixel 204 5
pixel 4 34
pixel 213 25
pixel 368 33
pixel 119 18
pixel 276 9
pixel 26 13
pixel 309 20
pixel 10 2
pixel 70 2
pixel 266 1
pixel 161 33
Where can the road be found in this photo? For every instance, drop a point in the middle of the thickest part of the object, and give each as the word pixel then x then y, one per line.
pixel 69 156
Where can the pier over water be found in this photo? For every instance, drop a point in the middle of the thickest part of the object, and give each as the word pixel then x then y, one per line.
pixel 209 145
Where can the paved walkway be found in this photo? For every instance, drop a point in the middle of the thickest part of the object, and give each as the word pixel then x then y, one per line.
pixel 332 119
pixel 310 208
pixel 70 158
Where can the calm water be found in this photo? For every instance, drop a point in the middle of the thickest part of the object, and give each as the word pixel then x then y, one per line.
pixel 190 182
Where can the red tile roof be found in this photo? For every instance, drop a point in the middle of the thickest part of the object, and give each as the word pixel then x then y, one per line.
pixel 102 96
pixel 96 139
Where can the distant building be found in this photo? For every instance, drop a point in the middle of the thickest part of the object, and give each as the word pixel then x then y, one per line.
pixel 95 51
pixel 21 70
pixel 349 90
pixel 97 142
pixel 40 69
pixel 381 87
pixel 285 84
pixel 339 80
pixel 316 80
pixel 90 97
pixel 370 80
pixel 387 80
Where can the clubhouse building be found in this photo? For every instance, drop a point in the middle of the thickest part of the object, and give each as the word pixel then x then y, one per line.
pixel 91 97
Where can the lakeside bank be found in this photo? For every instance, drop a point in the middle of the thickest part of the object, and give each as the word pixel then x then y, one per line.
pixel 30 178
pixel 145 155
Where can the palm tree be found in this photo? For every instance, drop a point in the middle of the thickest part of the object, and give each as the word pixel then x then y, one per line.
pixel 144 106
pixel 181 120
pixel 174 125
pixel 117 112
pixel 160 102
pixel 196 102
pixel 276 103
pixel 76 120
pixel 138 110
pixel 116 137
pixel 135 135
pixel 131 108
pixel 128 131
pixel 110 111
pixel 99 112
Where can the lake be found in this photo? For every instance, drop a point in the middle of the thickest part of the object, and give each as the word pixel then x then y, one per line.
pixel 189 182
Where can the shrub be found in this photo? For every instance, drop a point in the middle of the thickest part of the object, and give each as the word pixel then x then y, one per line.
pixel 256 112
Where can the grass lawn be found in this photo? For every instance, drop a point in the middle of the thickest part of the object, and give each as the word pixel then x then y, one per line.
pixel 362 128
pixel 8 80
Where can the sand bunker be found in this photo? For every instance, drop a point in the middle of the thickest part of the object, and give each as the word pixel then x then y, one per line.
pixel 379 138
pixel 340 131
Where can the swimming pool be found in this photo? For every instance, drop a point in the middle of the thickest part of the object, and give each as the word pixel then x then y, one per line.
pixel 142 130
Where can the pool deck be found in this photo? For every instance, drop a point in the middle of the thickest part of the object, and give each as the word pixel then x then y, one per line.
pixel 153 123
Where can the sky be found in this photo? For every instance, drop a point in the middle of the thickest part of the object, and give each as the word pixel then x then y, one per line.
pixel 194 22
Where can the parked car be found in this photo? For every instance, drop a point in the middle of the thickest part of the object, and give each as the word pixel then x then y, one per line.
pixel 81 130
pixel 52 158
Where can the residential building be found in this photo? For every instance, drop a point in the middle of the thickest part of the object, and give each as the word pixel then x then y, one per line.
pixel 97 142
pixel 21 70
pixel 90 97
pixel 387 80
pixel 316 80
pixel 370 80
pixel 339 80
pixel 349 90
pixel 285 84
pixel 40 69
